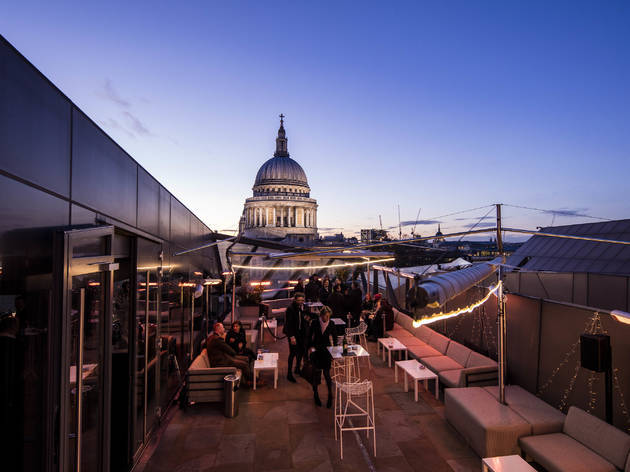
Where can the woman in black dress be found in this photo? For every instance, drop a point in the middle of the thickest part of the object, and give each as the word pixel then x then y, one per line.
pixel 321 335
pixel 237 340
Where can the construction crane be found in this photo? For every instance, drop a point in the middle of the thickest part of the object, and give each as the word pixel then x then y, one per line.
pixel 380 220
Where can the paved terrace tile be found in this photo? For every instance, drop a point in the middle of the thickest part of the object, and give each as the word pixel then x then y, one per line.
pixel 282 430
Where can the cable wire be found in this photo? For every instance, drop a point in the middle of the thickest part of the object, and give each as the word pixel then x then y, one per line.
pixel 558 212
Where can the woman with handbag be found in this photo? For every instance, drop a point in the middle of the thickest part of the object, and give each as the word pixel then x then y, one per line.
pixel 321 335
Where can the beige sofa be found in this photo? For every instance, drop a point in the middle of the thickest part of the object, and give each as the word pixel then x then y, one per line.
pixel 455 364
pixel 585 444
pixel 204 383
pixel 494 429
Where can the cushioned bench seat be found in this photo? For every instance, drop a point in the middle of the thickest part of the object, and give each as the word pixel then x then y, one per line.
pixel 490 428
pixel 205 383
pixel 543 418
pixel 586 444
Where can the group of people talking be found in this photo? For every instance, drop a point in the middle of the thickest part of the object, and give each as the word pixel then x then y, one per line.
pixel 308 334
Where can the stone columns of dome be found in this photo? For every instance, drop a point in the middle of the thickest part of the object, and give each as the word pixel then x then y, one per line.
pixel 308 218
pixel 282 216
pixel 275 221
pixel 314 218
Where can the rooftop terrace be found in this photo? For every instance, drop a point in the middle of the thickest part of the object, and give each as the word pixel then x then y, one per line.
pixel 283 430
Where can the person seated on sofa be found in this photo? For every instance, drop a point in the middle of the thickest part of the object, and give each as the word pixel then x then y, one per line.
pixel 237 340
pixel 222 355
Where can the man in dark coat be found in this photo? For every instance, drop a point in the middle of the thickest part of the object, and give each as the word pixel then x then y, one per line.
pixel 295 328
pixel 222 355
pixel 312 289
pixel 337 303
pixel 355 302
pixel 321 335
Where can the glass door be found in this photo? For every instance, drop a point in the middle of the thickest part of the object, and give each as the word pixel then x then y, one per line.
pixel 86 349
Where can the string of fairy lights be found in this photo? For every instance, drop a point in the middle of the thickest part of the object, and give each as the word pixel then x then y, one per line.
pixel 458 311
pixel 593 326
pixel 329 266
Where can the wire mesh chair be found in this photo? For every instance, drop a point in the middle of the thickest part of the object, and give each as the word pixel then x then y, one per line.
pixel 357 336
pixel 355 401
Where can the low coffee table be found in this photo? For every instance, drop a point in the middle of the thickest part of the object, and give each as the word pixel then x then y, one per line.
pixel 269 361
pixel 389 345
pixel 413 369
pixel 505 463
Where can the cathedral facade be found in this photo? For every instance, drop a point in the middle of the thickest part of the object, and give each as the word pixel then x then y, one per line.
pixel 281 207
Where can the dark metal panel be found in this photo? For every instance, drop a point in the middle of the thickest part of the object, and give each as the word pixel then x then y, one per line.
pixel 104 177
pixel 164 218
pixel 81 216
pixel 148 202
pixel 34 125
pixel 180 224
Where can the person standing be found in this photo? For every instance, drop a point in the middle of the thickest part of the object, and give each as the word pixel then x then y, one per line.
pixel 322 335
pixel 337 303
pixel 324 292
pixel 295 328
pixel 312 289
pixel 355 302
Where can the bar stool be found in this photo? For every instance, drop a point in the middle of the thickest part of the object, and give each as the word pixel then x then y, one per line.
pixel 357 335
pixel 352 407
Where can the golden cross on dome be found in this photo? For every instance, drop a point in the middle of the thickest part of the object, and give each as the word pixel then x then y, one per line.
pixel 281 119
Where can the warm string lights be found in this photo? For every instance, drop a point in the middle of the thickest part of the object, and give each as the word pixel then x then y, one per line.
pixel 568 355
pixel 309 268
pixel 457 312
pixel 490 336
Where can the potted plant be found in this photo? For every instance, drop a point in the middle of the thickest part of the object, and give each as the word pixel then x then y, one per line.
pixel 248 301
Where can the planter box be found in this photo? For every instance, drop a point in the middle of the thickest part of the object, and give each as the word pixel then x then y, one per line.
pixel 248 311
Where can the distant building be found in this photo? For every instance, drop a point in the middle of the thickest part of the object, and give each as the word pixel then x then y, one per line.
pixel 373 234
pixel 281 208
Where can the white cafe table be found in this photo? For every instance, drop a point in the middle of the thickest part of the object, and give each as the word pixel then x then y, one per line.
pixel 269 361
pixel 505 464
pixel 417 372
pixel 355 351
pixel 389 345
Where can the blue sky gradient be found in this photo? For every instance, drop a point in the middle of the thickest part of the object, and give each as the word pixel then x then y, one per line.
pixel 435 105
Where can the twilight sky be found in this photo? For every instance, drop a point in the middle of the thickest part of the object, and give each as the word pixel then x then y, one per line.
pixel 442 106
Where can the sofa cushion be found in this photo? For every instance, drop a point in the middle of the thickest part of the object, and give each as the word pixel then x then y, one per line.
pixel 412 342
pixel 543 417
pixel 558 452
pixel 423 350
pixel 440 363
pixel 399 332
pixel 451 378
pixel 439 342
pixel 606 440
pixel 491 429
pixel 201 361
pixel 405 322
pixel 424 333
pixel 458 352
pixel 477 360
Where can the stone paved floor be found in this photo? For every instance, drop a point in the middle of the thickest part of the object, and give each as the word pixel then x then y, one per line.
pixel 283 430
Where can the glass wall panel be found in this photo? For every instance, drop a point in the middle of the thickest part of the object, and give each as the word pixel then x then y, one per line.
pixel 29 217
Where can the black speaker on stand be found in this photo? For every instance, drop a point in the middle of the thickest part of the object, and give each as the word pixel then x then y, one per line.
pixel 596 355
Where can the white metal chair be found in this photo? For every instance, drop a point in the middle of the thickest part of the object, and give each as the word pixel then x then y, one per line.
pixel 357 335
pixel 355 400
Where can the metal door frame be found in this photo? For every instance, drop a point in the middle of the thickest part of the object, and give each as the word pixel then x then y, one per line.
pixel 73 266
